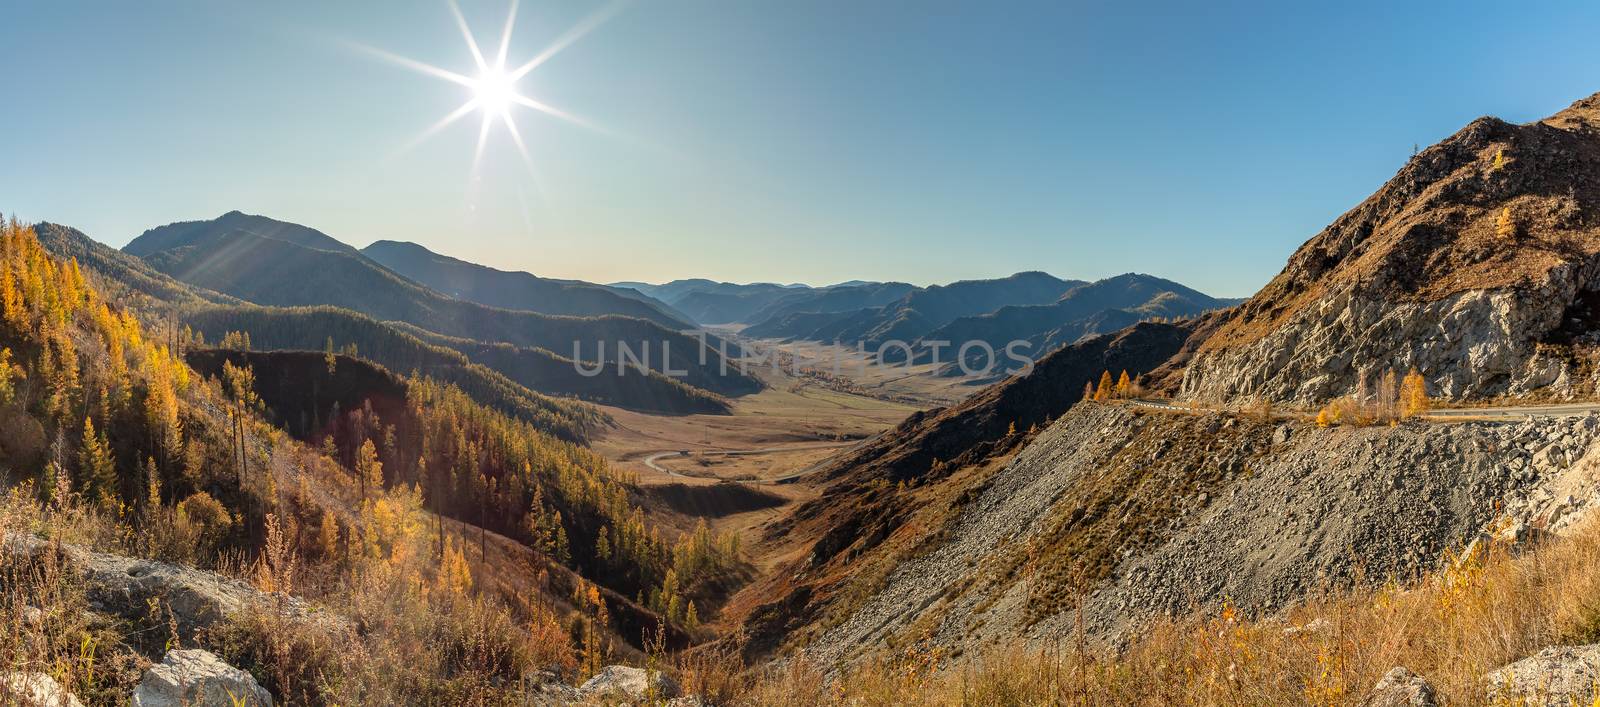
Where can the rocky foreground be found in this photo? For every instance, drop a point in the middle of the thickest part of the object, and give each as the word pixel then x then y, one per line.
pixel 128 589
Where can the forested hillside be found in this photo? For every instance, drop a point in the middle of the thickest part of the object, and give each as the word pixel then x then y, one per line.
pixel 495 374
pixel 330 329
pixel 111 440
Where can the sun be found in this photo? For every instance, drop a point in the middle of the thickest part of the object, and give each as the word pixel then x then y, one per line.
pixel 493 89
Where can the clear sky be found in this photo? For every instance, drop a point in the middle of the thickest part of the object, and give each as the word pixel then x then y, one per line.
pixel 747 140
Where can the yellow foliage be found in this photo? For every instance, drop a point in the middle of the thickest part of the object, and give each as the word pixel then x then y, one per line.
pixel 1103 391
pixel 1504 227
pixel 1413 394
pixel 455 574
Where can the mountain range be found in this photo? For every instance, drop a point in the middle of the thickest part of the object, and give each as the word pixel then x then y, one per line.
pixel 256 260
pixel 1040 310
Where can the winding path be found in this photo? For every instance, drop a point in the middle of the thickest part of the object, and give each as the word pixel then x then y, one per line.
pixel 651 461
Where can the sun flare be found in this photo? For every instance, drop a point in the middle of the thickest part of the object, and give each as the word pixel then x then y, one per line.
pixel 493 90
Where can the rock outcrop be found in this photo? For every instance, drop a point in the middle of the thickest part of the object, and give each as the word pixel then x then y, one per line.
pixel 621 681
pixel 35 690
pixel 196 677
pixel 1554 677
pixel 1478 264
pixel 1401 688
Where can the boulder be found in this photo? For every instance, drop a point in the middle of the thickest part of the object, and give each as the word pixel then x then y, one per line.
pixel 624 681
pixel 1401 688
pixel 35 690
pixel 193 678
pixel 1554 676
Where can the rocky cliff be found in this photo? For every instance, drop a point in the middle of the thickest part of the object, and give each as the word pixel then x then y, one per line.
pixel 1476 264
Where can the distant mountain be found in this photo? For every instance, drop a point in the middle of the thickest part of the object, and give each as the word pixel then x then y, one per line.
pixel 712 302
pixel 837 298
pixel 515 290
pixel 1095 308
pixel 276 272
pixel 186 233
pixel 919 312
pixel 726 307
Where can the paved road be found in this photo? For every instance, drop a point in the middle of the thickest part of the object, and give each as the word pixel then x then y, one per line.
pixel 1505 412
pixel 651 461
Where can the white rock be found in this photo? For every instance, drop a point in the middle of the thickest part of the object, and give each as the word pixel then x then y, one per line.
pixel 622 680
pixel 197 678
pixel 1401 688
pixel 35 690
pixel 1554 676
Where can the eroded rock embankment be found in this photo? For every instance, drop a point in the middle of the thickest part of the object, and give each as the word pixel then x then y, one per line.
pixel 1129 514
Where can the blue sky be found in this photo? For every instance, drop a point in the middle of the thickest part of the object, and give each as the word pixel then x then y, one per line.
pixel 812 141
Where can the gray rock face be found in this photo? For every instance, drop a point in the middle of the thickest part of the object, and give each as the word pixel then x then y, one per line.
pixel 1401 688
pixel 35 690
pixel 196 678
pixel 1475 344
pixel 1553 677
pixel 632 683
pixel 1321 507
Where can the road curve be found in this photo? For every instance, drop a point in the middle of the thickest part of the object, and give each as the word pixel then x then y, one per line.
pixel 651 461
pixel 1502 412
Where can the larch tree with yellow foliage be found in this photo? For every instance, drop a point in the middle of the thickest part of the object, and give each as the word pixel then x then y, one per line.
pixel 1124 385
pixel 1413 394
pixel 99 475
pixel 1103 392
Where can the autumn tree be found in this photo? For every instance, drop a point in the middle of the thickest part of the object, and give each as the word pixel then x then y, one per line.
pixel 98 475
pixel 1413 394
pixel 1124 385
pixel 9 373
pixel 1103 391
pixel 369 471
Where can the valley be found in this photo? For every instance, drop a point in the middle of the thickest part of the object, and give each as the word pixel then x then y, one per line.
pixel 388 475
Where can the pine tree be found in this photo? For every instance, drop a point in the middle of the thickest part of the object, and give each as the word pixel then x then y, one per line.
pixel 9 372
pixel 454 572
pixel 152 484
pixel 691 618
pixel 1088 390
pixel 1124 385
pixel 99 476
pixel 328 535
pixel 602 545
pixel 1103 392
pixel 369 471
